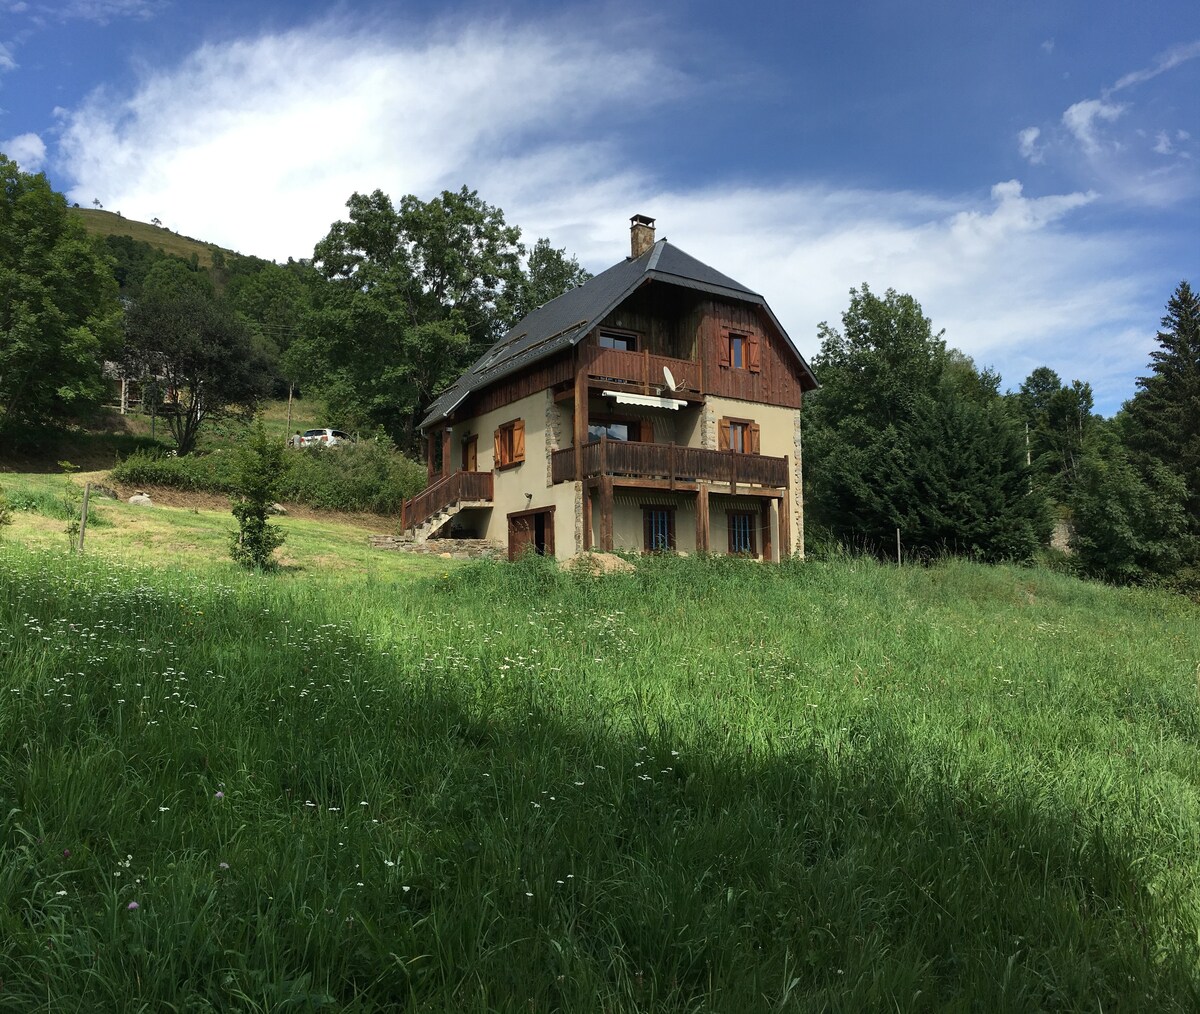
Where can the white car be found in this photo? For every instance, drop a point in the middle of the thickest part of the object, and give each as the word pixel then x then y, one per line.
pixel 325 438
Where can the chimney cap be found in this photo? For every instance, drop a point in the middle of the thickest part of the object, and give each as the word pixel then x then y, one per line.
pixel 641 220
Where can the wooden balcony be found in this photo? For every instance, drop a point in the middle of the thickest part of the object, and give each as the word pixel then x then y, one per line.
pixel 644 371
pixel 468 487
pixel 670 465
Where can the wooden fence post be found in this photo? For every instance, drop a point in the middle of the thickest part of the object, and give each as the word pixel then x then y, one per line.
pixel 83 512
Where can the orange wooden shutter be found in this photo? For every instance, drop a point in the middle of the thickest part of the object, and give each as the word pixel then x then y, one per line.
pixel 754 441
pixel 723 350
pixel 723 435
pixel 498 460
pixel 753 358
pixel 646 433
pixel 519 440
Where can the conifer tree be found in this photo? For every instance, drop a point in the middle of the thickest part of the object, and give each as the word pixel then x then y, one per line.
pixel 1164 415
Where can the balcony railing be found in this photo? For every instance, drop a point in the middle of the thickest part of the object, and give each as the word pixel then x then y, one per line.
pixel 669 463
pixel 644 370
pixel 450 489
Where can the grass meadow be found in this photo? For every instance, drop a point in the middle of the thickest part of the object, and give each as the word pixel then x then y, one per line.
pixel 705 786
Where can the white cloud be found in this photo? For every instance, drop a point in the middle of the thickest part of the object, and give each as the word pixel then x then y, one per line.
pixel 1048 46
pixel 1027 145
pixel 1172 58
pixel 256 145
pixel 27 150
pixel 7 60
pixel 1080 119
pixel 1162 143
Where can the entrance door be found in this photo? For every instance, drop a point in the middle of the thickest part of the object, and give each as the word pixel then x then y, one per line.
pixel 470 459
pixel 531 530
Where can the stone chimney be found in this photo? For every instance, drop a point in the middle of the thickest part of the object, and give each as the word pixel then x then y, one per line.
pixel 641 235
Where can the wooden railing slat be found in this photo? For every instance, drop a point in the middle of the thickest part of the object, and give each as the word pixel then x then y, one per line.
pixel 670 463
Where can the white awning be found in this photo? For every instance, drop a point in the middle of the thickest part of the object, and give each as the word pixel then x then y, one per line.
pixel 645 400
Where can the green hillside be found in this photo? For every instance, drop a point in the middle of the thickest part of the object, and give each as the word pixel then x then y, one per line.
pixel 108 223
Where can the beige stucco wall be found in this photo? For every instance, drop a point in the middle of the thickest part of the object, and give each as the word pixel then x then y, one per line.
pixel 544 430
pixel 779 436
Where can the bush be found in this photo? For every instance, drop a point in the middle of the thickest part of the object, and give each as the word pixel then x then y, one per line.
pixel 371 476
pixel 257 476
pixel 205 473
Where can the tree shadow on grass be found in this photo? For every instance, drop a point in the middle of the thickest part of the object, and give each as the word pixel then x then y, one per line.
pixel 391 836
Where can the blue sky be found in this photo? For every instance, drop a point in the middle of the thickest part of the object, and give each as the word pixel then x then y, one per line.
pixel 1029 171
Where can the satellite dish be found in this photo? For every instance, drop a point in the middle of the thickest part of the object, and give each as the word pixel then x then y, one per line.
pixel 669 379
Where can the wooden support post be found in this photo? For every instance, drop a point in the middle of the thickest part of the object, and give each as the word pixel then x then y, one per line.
pixel 429 456
pixel 446 455
pixel 645 371
pixel 785 525
pixel 581 412
pixel 606 513
pixel 702 517
pixel 671 465
pixel 83 512
pixel 767 550
pixel 586 492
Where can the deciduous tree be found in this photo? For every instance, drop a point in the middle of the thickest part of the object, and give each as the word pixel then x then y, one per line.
pixel 194 348
pixel 907 434
pixel 59 315
pixel 416 292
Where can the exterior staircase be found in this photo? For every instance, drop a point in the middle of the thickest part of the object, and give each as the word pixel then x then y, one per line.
pixel 430 510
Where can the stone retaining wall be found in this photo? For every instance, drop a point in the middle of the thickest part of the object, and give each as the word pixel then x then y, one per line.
pixel 452 549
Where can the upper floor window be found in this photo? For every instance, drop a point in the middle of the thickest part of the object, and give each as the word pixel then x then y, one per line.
pixel 741 435
pixel 740 351
pixel 621 429
pixel 618 340
pixel 510 444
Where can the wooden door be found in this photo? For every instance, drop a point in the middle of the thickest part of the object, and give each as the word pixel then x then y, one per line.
pixel 531 530
pixel 520 534
pixel 470 454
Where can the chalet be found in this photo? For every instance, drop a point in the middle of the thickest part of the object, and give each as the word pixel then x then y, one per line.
pixel 654 408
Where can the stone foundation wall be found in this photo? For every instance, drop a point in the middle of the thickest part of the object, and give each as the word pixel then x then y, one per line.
pixel 453 549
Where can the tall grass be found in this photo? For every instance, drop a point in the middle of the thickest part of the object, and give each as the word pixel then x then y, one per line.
pixel 706 785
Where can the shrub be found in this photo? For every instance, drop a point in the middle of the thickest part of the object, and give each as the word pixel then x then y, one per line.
pixel 207 473
pixel 371 476
pixel 256 480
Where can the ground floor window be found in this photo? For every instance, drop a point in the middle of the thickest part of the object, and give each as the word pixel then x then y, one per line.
pixel 658 526
pixel 741 533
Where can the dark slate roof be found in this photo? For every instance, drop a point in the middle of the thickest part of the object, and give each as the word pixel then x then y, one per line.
pixel 567 319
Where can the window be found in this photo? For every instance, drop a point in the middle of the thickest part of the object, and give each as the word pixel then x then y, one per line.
pixel 658 528
pixel 741 532
pixel 740 351
pixel 510 444
pixel 741 435
pixel 613 340
pixel 621 429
